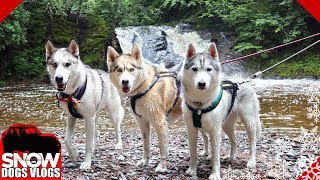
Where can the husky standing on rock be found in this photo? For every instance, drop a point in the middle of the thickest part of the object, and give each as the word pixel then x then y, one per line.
pixel 208 107
pixel 83 93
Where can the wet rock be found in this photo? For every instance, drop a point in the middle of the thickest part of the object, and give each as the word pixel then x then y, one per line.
pixel 121 158
pixel 271 175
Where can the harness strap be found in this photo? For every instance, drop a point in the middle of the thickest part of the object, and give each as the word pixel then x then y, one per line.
pixel 225 85
pixel 196 113
pixel 178 85
pixel 159 75
pixel 137 96
pixel 74 99
pixel 233 88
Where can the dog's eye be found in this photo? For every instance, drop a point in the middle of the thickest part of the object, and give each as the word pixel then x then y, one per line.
pixel 119 70
pixel 209 69
pixel 131 69
pixel 68 64
pixel 54 64
pixel 194 69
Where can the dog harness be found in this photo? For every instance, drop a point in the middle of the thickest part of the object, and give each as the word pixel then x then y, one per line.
pixel 226 85
pixel 158 76
pixel 73 100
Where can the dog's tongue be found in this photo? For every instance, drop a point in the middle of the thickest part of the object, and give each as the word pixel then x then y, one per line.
pixel 125 89
pixel 61 87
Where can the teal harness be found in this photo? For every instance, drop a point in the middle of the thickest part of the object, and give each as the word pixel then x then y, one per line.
pixel 196 113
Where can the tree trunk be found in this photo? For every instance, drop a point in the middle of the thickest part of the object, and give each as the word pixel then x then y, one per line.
pixel 50 25
pixel 79 12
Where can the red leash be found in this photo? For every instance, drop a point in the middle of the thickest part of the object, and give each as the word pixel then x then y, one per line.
pixel 266 50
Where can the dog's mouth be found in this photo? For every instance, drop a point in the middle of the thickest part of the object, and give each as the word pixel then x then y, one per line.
pixel 125 89
pixel 202 88
pixel 61 86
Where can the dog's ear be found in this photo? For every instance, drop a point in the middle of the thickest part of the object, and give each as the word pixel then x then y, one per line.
pixel 212 49
pixel 73 48
pixel 136 53
pixel 112 54
pixel 50 49
pixel 191 51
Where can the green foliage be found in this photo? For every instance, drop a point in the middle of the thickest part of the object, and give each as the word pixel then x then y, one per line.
pixel 29 63
pixel 13 30
pixel 300 66
pixel 93 47
pixel 258 24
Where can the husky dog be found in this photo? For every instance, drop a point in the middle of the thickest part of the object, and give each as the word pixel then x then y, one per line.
pixel 153 93
pixel 211 109
pixel 76 82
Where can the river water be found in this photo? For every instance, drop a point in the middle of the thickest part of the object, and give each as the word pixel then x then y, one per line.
pixel 284 105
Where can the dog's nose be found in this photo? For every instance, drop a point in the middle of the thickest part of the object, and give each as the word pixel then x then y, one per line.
pixel 201 85
pixel 59 79
pixel 125 82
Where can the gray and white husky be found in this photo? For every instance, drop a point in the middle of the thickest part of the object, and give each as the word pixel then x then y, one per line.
pixel 204 99
pixel 76 82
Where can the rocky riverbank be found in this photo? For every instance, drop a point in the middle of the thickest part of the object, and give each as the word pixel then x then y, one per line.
pixel 279 156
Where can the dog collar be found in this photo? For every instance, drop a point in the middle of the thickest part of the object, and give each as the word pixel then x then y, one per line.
pixel 196 113
pixel 73 100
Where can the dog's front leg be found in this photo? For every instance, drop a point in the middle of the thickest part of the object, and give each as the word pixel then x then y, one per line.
pixel 193 142
pixel 215 137
pixel 205 151
pixel 145 131
pixel 71 123
pixel 90 130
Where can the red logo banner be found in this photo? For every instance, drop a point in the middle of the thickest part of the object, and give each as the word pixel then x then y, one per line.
pixel 26 153
pixel 312 6
pixel 7 6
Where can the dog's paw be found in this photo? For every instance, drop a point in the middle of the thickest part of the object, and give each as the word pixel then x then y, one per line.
pixel 215 176
pixel 203 153
pixel 251 164
pixel 142 162
pixel 228 159
pixel 208 158
pixel 191 172
pixel 85 166
pixel 118 146
pixel 161 167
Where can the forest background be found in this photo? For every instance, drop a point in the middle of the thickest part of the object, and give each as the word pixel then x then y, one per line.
pixel 254 24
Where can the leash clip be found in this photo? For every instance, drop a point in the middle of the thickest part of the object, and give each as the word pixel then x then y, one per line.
pixel 199 112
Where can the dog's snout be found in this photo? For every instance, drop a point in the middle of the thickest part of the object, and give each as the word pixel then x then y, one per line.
pixel 201 85
pixel 125 82
pixel 59 79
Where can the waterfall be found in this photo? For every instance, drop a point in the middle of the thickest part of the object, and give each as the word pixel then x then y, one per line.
pixel 167 46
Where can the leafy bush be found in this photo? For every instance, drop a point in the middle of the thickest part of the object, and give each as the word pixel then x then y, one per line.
pixel 29 63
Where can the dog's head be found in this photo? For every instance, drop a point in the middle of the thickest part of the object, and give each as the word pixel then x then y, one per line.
pixel 62 63
pixel 126 71
pixel 201 70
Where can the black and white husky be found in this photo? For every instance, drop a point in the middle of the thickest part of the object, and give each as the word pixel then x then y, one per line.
pixel 83 93
pixel 208 107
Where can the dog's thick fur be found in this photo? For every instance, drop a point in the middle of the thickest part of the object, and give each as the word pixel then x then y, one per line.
pixel 201 78
pixel 153 106
pixel 100 93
